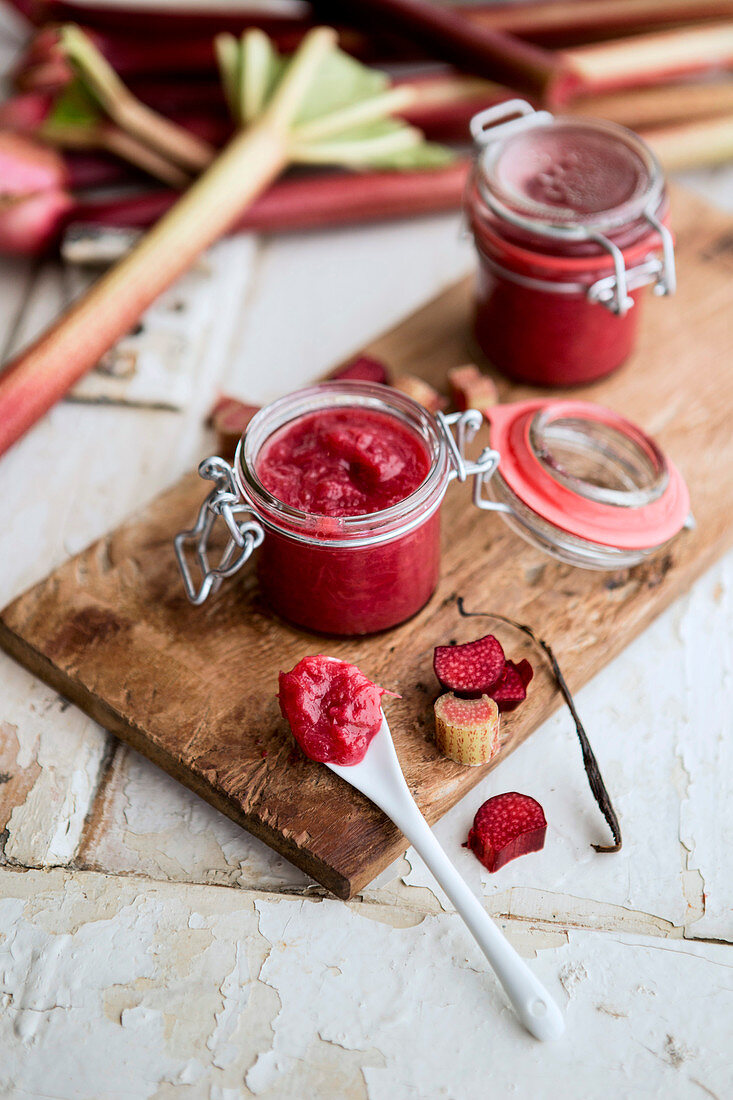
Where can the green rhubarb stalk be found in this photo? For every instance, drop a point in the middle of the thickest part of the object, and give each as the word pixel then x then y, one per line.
pixel 165 137
pixel 317 81
pixel 77 122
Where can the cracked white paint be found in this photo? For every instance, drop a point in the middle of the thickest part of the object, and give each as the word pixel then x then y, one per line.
pixel 424 999
pixel 100 965
pixel 153 826
pixel 158 366
pixel 45 828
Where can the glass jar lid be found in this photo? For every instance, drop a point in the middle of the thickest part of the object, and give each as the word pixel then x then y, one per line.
pixel 568 176
pixel 588 473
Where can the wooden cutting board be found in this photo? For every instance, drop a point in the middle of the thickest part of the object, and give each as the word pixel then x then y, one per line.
pixel 194 689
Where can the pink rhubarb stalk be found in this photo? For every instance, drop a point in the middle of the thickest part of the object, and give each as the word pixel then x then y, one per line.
pixel 650 58
pixel 655 106
pixel 698 144
pixel 563 21
pixel 309 202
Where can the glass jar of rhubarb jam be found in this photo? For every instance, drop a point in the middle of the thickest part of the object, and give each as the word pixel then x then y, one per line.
pixel 341 485
pixel 569 217
pixel 342 482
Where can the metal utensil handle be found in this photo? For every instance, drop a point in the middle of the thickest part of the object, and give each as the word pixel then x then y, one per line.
pixel 223 501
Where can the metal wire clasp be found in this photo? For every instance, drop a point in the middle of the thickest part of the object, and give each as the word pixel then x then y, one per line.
pixel 224 501
pixel 466 425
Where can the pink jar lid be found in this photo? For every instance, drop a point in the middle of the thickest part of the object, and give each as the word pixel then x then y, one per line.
pixel 589 472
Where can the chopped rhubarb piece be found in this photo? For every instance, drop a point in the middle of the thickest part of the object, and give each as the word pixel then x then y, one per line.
pixel 229 418
pixel 471 669
pixel 470 389
pixel 420 391
pixel 363 369
pixel 511 688
pixel 525 670
pixel 507 826
pixel 467 730
pixel 333 709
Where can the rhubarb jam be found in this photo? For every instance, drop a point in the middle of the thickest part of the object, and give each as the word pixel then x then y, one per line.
pixel 343 462
pixel 333 710
pixel 569 219
pixel 347 479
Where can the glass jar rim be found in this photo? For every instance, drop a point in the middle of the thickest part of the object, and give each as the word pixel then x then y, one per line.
pixel 559 222
pixel 641 516
pixel 359 530
pixel 516 256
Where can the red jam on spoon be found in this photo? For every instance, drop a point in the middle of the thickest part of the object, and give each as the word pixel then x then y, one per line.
pixel 334 711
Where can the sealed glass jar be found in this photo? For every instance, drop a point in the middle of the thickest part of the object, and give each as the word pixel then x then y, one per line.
pixel 569 218
pixel 575 479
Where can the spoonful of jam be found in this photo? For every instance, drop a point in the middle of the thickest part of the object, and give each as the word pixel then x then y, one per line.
pixel 336 717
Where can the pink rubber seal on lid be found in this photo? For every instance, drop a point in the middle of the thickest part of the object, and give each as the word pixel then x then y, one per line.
pixel 589 472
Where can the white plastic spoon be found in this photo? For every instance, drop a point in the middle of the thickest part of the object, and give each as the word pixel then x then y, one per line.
pixel 379 777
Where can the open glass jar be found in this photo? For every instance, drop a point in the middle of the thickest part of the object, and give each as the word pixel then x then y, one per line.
pixel 575 479
pixel 344 574
pixel 569 218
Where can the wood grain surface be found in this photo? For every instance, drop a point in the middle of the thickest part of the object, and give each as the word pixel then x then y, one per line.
pixel 194 689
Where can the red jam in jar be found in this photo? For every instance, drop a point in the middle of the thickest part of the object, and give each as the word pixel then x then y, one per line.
pixel 569 217
pixel 343 462
pixel 347 479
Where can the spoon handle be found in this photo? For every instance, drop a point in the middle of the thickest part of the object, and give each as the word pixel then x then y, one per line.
pixel 533 1004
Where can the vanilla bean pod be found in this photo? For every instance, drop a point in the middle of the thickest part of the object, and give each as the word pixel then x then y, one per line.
pixel 595 779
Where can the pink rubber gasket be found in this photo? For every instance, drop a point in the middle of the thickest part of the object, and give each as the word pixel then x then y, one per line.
pixel 623 528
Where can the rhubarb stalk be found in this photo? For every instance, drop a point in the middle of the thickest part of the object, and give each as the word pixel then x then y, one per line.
pixel 669 103
pixel 37 378
pixel 96 227
pixel 698 144
pixel 650 58
pixel 553 21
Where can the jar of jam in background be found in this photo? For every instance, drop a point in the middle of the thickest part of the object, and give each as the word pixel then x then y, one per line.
pixel 322 569
pixel 569 218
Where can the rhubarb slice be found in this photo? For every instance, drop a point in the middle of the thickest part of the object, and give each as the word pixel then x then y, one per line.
pixel 507 826
pixel 470 389
pixel 229 419
pixel 511 688
pixel 467 730
pixel 363 369
pixel 471 669
pixel 419 390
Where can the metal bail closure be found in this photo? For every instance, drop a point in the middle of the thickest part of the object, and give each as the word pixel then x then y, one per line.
pixel 466 426
pixel 223 501
pixel 505 119
pixel 613 290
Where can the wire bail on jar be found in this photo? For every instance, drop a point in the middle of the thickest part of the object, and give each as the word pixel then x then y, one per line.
pixel 505 120
pixel 223 501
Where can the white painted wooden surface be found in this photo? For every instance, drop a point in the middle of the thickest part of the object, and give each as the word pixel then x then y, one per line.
pixel 149 948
